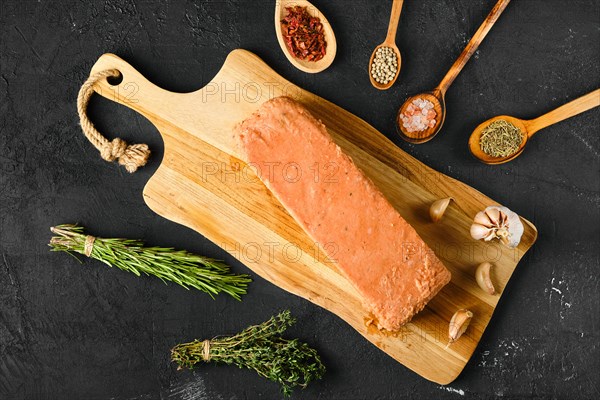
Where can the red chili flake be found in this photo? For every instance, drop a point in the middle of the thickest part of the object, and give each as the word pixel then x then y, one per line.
pixel 303 34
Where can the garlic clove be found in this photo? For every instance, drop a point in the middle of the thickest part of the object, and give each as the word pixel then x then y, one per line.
pixel 493 214
pixel 438 208
pixel 491 236
pixel 515 228
pixel 483 278
pixel 459 324
pixel 504 218
pixel 481 232
pixel 481 218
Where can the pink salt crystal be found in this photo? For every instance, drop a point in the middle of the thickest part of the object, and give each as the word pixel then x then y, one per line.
pixel 419 115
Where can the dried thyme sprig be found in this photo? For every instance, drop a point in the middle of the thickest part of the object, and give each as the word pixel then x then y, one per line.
pixel 500 139
pixel 289 362
pixel 178 266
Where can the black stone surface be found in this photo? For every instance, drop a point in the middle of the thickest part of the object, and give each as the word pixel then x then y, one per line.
pixel 71 331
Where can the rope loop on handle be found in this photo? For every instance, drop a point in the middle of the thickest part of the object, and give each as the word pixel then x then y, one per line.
pixel 131 156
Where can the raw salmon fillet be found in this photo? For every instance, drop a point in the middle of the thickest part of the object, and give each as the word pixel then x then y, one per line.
pixel 341 209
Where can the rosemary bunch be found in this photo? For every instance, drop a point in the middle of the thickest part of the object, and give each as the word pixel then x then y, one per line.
pixel 289 362
pixel 178 266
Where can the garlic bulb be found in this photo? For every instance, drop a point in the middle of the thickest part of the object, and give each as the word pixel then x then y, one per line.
pixel 496 222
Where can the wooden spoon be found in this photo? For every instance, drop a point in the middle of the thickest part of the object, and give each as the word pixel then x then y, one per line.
pixel 530 127
pixel 306 66
pixel 436 96
pixel 390 41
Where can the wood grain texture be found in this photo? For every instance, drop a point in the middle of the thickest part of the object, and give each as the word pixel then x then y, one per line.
pixel 202 183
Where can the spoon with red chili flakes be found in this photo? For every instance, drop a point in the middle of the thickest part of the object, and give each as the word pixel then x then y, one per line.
pixel 305 35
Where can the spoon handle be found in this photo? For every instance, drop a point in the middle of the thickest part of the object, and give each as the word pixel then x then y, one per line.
pixel 394 19
pixel 472 45
pixel 565 111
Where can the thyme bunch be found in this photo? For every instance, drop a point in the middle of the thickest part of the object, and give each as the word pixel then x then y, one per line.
pixel 178 266
pixel 289 362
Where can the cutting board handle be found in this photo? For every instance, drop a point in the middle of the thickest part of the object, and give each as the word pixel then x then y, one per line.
pixel 132 90
pixel 193 112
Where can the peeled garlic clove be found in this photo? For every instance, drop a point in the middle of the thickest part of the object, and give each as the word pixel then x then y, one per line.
pixel 481 232
pixel 438 208
pixel 459 324
pixel 482 276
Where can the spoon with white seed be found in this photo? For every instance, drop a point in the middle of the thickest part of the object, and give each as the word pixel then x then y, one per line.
pixel 387 54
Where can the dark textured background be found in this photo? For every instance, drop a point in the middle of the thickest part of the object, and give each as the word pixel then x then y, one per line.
pixel 71 331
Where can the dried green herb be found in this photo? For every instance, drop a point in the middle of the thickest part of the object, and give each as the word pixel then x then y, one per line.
pixel 500 139
pixel 178 266
pixel 289 362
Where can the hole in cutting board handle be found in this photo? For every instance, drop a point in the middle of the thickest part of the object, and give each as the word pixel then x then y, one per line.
pixel 115 80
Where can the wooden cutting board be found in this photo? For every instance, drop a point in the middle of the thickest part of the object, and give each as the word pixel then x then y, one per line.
pixel 201 183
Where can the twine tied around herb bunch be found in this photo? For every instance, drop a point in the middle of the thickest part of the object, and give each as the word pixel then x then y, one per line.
pixel 88 247
pixel 131 156
pixel 169 265
pixel 260 348
pixel 206 350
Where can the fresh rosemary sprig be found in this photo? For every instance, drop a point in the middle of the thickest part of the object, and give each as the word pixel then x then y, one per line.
pixel 289 362
pixel 178 266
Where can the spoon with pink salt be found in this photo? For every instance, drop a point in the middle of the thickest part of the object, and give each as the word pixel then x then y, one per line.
pixel 421 116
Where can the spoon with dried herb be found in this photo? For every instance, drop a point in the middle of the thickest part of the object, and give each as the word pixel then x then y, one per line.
pixel 503 138
pixel 178 266
pixel 261 348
